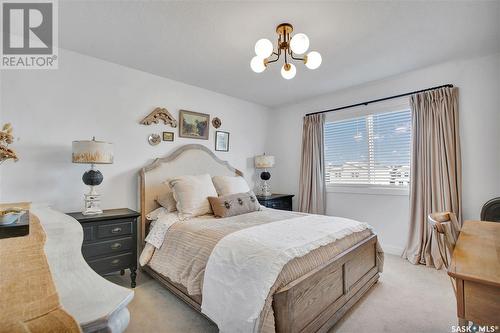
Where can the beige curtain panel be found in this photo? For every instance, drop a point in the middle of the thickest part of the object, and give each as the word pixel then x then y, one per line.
pixel 436 175
pixel 312 166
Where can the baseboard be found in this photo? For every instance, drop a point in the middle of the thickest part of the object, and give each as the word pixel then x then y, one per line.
pixel 393 249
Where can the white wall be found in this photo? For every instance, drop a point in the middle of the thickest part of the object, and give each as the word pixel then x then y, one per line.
pixel 479 83
pixel 87 97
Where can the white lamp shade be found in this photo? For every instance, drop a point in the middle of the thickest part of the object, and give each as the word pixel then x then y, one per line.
pixel 288 74
pixel 299 43
pixel 313 60
pixel 257 64
pixel 92 152
pixel 263 48
pixel 264 161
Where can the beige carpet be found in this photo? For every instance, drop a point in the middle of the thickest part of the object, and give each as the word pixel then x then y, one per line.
pixel 407 299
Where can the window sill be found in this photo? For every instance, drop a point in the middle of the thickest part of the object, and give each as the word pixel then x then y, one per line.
pixel 367 189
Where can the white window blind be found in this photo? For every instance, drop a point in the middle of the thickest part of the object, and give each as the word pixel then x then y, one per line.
pixel 370 150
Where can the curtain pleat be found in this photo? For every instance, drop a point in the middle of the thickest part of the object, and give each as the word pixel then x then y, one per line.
pixel 435 172
pixel 312 167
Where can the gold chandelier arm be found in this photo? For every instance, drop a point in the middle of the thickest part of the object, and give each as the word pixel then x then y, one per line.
pixel 267 61
pixel 295 58
pixel 277 54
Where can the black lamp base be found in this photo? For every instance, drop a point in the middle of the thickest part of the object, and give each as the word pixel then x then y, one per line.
pixel 265 189
pixel 92 202
pixel 92 177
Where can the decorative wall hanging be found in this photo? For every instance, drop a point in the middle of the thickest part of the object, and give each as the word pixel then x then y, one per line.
pixel 154 139
pixel 6 138
pixel 216 122
pixel 168 136
pixel 194 125
pixel 221 141
pixel 157 115
pixel 298 44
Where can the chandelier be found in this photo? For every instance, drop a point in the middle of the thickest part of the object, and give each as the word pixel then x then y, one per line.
pixel 289 47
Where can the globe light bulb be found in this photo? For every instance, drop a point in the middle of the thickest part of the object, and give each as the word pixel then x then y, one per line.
pixel 288 71
pixel 257 64
pixel 299 43
pixel 313 60
pixel 263 48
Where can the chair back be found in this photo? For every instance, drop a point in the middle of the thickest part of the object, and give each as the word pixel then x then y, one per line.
pixel 447 227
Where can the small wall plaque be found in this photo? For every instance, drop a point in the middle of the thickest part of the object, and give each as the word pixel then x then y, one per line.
pixel 216 122
pixel 168 136
pixel 154 139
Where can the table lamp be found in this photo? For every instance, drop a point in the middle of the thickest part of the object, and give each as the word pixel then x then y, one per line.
pixel 92 152
pixel 264 162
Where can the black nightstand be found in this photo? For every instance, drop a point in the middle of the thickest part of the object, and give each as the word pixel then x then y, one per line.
pixel 276 201
pixel 110 241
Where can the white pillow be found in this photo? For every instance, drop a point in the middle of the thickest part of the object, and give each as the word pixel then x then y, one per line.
pixel 167 200
pixel 226 185
pixel 153 216
pixel 191 194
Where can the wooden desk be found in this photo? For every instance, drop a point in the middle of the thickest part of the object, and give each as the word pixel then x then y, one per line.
pixel 475 266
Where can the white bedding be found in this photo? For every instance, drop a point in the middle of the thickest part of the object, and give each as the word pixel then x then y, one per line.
pixel 154 240
pixel 245 264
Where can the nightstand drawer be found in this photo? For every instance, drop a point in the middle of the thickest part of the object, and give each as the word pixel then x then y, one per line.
pixel 114 230
pixel 276 201
pixel 107 247
pixel 114 263
pixel 273 204
pixel 88 234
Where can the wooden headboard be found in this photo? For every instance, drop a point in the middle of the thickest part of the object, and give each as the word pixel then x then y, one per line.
pixel 193 159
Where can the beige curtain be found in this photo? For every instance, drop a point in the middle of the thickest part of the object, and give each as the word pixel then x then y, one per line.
pixel 436 176
pixel 312 166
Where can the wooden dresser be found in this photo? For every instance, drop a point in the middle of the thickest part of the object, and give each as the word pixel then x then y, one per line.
pixel 110 241
pixel 475 266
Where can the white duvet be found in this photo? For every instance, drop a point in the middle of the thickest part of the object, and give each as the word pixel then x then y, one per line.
pixel 245 264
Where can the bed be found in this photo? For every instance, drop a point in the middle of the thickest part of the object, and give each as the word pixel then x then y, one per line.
pixel 311 293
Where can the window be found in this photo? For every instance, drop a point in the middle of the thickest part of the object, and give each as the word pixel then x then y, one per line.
pixel 373 149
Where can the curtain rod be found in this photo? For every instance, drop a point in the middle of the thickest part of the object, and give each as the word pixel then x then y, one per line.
pixel 380 99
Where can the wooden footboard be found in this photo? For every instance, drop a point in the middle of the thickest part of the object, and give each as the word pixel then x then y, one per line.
pixel 317 300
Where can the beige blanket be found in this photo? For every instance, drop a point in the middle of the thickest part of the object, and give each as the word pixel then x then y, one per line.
pixel 188 245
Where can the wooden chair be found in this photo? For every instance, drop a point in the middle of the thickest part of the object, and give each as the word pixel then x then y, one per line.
pixel 447 230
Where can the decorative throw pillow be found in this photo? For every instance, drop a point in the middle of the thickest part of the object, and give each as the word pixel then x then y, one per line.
pixel 226 185
pixel 234 204
pixel 191 193
pixel 167 200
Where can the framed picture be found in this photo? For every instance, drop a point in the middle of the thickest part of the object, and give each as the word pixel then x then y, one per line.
pixel 193 125
pixel 168 136
pixel 221 141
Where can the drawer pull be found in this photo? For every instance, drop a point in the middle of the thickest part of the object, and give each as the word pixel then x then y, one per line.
pixel 116 230
pixel 115 262
pixel 116 246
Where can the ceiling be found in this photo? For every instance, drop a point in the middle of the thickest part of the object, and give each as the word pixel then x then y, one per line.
pixel 210 44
